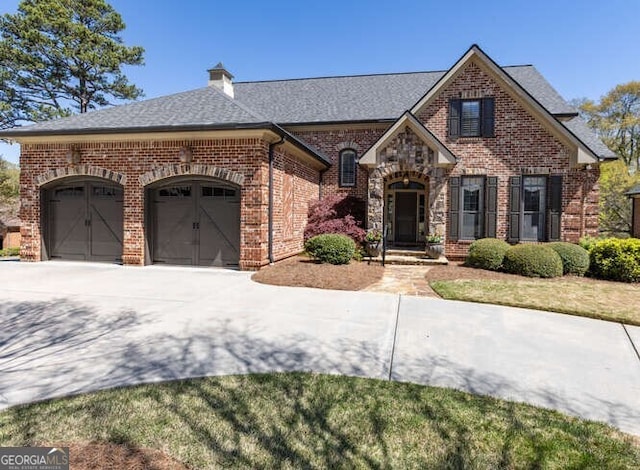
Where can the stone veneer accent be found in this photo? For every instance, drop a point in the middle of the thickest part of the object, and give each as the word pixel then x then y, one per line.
pixel 80 170
pixel 407 155
pixel 168 171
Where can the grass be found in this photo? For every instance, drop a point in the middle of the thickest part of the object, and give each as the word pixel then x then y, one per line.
pixel 605 300
pixel 318 421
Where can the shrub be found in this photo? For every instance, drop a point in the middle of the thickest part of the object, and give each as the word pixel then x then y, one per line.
pixel 10 252
pixel 487 253
pixel 336 214
pixel 575 259
pixel 333 248
pixel 587 242
pixel 616 259
pixel 532 261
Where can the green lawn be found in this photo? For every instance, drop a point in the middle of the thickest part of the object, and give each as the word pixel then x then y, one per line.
pixel 318 421
pixel 615 301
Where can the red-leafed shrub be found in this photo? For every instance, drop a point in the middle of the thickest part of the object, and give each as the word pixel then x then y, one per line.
pixel 336 214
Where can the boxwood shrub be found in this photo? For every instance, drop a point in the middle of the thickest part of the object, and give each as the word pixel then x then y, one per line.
pixel 532 261
pixel 332 248
pixel 616 259
pixel 487 253
pixel 575 259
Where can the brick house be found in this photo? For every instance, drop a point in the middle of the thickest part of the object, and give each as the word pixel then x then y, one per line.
pixel 223 175
pixel 634 195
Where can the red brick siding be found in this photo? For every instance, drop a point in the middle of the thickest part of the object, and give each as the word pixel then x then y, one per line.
pixel 330 142
pixel 521 142
pixel 635 230
pixel 302 187
pixel 246 156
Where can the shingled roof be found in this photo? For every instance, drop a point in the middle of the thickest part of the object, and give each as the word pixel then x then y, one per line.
pixel 381 97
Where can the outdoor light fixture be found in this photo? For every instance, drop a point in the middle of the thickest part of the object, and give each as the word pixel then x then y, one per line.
pixel 73 156
pixel 405 180
pixel 185 154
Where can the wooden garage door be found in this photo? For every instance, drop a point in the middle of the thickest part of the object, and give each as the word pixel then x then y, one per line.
pixel 84 221
pixel 196 223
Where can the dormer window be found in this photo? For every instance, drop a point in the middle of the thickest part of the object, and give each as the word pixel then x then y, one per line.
pixel 471 118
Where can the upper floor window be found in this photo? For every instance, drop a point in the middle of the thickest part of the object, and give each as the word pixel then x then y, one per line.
pixel 348 164
pixel 471 118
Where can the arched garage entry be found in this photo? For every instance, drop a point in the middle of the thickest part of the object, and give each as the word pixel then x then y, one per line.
pixel 83 219
pixel 194 221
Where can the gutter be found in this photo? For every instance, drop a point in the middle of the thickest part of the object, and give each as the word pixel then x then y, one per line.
pixel 270 210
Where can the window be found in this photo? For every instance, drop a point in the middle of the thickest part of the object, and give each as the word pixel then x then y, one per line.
pixel 347 168
pixel 471 208
pixel 535 208
pixel 471 118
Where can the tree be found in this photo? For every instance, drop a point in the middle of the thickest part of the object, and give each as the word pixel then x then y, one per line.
pixel 616 120
pixel 61 56
pixel 9 181
pixel 615 206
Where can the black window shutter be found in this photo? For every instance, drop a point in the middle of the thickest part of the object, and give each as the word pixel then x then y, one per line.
pixel 455 109
pixel 554 205
pixel 487 110
pixel 454 208
pixel 514 209
pixel 491 207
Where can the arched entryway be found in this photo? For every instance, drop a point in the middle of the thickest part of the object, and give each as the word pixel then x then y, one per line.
pixel 193 221
pixel 83 219
pixel 405 211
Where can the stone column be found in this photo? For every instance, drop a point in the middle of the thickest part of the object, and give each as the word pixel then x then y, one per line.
pixel 375 209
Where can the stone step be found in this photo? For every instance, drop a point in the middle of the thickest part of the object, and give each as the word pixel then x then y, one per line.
pixel 421 260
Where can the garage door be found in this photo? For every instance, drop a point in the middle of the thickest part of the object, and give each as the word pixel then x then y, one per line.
pixel 196 223
pixel 84 221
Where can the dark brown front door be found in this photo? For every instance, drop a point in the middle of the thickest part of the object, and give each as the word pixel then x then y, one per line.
pixel 405 215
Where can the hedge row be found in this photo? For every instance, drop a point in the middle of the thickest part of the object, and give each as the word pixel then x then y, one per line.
pixel 544 260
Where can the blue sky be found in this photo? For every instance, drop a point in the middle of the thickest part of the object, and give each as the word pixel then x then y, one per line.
pixel 584 48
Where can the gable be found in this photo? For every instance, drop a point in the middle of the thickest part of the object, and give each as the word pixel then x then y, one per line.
pixel 475 76
pixel 420 143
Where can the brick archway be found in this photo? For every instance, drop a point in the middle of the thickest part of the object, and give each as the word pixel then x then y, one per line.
pixel 187 169
pixel 80 170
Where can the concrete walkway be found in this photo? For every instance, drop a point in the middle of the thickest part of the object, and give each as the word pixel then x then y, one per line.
pixel 68 328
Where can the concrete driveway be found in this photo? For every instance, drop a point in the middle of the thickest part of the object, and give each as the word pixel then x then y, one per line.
pixel 68 328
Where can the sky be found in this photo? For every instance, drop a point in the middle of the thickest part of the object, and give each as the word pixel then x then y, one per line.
pixel 584 48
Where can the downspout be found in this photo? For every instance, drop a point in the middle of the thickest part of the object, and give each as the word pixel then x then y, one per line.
pixel 321 181
pixel 271 157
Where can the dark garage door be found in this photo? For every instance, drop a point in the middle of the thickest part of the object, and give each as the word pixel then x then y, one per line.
pixel 196 223
pixel 84 221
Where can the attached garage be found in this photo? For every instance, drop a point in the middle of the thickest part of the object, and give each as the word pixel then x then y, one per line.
pixel 194 222
pixel 83 220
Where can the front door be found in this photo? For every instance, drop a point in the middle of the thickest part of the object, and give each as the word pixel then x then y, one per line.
pixel 406 217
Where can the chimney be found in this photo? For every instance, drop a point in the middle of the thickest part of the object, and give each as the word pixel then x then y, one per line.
pixel 220 77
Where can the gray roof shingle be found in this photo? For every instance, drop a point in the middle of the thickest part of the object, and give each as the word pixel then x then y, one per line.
pixel 588 137
pixel 201 107
pixel 310 100
pixel 634 191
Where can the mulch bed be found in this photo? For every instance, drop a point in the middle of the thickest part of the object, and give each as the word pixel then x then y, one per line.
pixel 301 271
pixel 97 456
